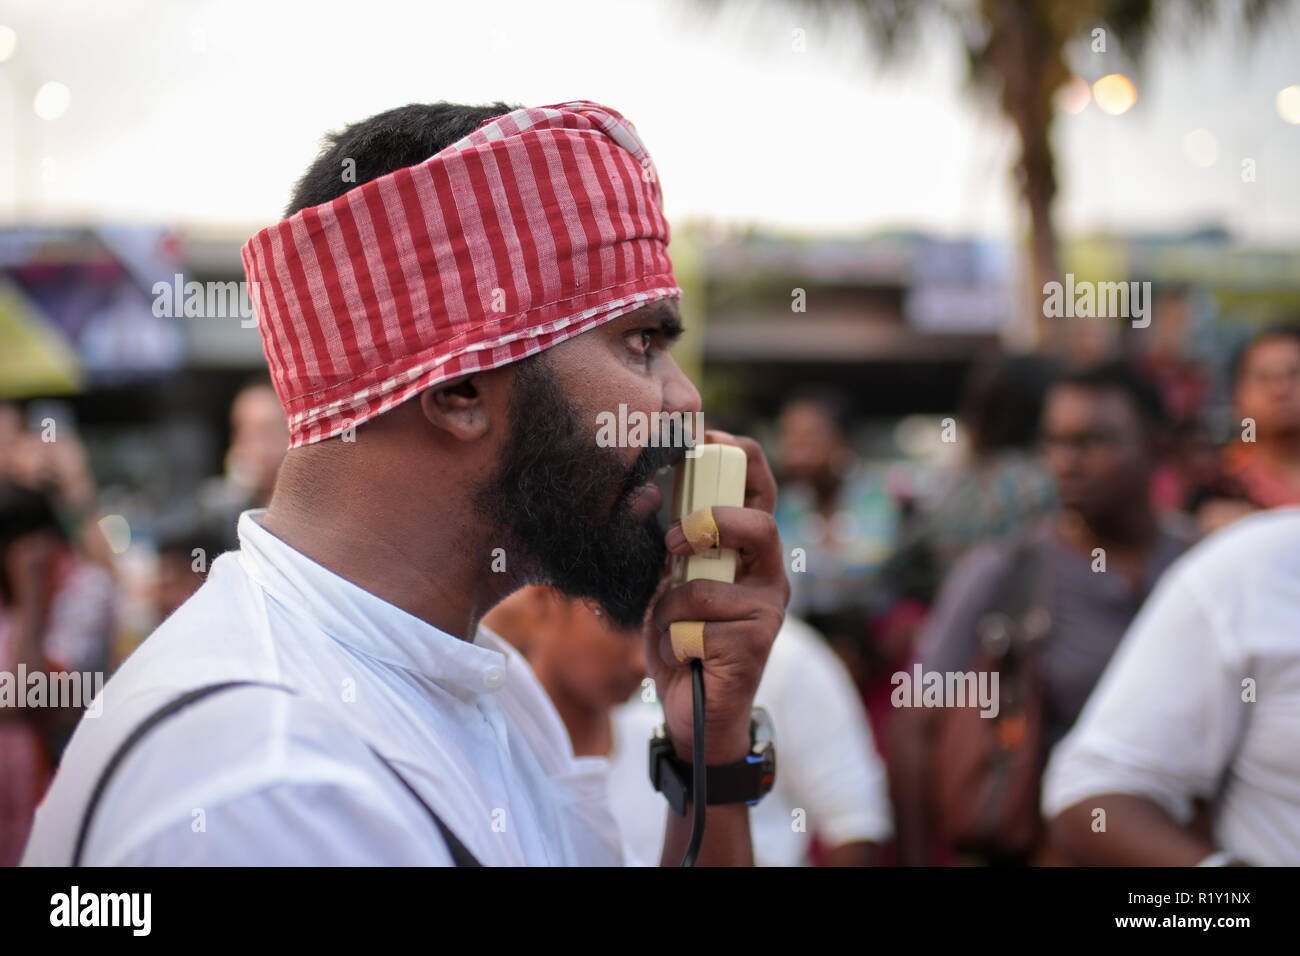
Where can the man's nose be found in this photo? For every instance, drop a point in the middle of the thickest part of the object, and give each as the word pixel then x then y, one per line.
pixel 1064 458
pixel 680 393
pixel 1283 388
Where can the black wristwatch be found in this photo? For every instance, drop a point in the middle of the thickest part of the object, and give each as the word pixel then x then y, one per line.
pixel 745 781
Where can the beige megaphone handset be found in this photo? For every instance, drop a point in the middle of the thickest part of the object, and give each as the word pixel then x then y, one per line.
pixel 710 476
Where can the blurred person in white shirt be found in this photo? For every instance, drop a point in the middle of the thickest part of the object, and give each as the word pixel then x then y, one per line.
pixel 1186 753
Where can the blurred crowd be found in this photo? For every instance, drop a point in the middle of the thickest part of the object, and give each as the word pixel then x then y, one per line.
pixel 1027 546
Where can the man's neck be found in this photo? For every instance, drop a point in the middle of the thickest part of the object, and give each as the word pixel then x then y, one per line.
pixel 441 574
pixel 1281 451
pixel 590 729
pixel 826 492
pixel 1131 531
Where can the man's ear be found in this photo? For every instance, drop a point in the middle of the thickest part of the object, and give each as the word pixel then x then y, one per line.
pixel 459 408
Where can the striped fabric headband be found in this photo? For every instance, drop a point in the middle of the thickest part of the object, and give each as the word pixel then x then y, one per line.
pixel 538 226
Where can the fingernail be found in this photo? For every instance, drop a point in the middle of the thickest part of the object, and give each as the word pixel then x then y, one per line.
pixel 676 540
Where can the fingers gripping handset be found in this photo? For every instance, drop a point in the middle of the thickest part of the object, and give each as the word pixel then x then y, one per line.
pixel 709 633
pixel 710 476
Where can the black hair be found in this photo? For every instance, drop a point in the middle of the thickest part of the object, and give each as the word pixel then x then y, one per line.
pixel 181 542
pixel 385 143
pixel 1281 330
pixel 23 511
pixel 1125 377
pixel 831 402
pixel 1004 401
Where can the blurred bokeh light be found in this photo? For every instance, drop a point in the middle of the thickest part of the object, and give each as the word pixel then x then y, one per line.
pixel 1115 93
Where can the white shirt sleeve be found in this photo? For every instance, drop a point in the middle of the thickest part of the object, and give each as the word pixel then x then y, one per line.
pixel 1166 715
pixel 826 757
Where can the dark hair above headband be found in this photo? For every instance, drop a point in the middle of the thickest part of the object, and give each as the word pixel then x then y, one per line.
pixel 385 143
pixel 1127 378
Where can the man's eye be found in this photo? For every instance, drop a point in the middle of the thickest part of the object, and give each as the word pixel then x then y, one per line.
pixel 641 340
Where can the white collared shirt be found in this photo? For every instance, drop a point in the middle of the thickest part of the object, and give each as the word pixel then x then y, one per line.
pixel 260 776
pixel 1202 697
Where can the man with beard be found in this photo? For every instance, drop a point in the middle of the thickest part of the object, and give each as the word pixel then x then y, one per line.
pixel 443 333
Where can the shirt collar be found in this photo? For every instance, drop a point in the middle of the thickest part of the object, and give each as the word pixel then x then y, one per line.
pixel 362 621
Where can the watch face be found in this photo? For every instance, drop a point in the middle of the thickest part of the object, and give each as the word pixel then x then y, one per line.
pixel 761 732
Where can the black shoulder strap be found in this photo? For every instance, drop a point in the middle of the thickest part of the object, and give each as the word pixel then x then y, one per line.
pixel 1020 598
pixel 1020 584
pixel 157 717
pixel 460 855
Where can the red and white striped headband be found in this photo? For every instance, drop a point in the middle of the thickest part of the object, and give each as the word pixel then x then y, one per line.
pixel 538 226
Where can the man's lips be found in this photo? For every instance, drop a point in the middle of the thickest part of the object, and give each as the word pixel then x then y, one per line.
pixel 649 467
pixel 647 498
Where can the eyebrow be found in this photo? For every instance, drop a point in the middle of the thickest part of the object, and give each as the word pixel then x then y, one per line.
pixel 670 323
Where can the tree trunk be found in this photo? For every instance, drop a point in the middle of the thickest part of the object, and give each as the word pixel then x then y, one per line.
pixel 1024 52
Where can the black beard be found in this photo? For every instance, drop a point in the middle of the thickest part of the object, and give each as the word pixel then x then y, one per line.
pixel 549 498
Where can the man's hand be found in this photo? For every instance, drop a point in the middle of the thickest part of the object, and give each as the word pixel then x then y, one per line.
pixel 741 619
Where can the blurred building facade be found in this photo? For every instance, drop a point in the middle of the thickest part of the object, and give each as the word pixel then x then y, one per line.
pixel 896 321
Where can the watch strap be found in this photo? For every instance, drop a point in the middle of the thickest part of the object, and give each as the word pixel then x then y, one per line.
pixel 745 781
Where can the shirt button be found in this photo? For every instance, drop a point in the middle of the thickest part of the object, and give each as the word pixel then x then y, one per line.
pixel 494 676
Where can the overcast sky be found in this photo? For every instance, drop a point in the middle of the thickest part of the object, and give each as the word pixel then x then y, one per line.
pixel 206 111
